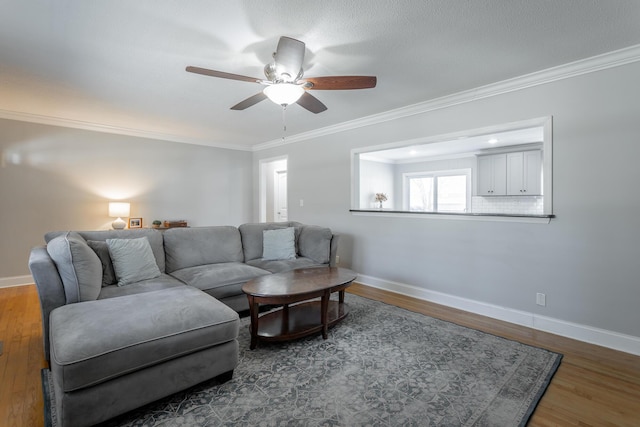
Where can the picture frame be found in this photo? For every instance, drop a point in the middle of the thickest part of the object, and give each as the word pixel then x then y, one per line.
pixel 135 222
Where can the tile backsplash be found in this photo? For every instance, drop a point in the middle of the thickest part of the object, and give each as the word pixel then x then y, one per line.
pixel 515 205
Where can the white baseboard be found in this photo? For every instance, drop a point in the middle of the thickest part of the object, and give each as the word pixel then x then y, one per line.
pixel 601 337
pixel 6 282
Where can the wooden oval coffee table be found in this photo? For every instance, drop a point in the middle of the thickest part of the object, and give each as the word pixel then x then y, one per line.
pixel 293 290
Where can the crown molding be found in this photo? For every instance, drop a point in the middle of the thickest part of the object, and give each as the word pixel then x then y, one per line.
pixel 119 130
pixel 584 66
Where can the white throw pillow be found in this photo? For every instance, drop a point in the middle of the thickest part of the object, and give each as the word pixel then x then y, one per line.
pixel 279 244
pixel 132 260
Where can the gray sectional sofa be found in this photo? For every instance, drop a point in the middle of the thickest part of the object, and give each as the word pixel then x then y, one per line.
pixel 130 316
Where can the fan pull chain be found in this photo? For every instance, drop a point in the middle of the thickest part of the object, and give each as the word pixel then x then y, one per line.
pixel 284 121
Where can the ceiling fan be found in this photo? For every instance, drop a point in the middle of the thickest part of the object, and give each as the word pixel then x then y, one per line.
pixel 285 84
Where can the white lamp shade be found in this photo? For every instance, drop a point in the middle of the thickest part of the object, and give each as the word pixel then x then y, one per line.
pixel 284 93
pixel 119 209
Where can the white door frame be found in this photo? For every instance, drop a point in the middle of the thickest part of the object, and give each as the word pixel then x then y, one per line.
pixel 264 177
pixel 277 211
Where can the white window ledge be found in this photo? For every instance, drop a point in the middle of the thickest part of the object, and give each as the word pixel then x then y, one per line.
pixel 539 219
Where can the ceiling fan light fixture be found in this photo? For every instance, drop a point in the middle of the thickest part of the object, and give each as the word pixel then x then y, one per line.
pixel 284 84
pixel 284 93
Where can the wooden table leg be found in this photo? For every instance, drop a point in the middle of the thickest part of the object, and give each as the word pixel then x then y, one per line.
pixel 285 318
pixel 341 297
pixel 324 314
pixel 254 308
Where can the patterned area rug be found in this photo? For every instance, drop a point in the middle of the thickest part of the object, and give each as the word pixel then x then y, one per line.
pixel 382 366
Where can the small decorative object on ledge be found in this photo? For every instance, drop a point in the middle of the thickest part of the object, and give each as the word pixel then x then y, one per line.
pixel 135 222
pixel 381 197
pixel 156 224
pixel 177 223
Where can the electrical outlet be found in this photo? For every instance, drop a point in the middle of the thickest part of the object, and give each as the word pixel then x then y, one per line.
pixel 541 299
pixel 301 202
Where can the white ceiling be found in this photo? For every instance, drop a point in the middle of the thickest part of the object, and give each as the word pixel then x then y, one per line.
pixel 119 65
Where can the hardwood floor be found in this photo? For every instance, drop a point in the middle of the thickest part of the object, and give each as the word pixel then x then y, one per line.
pixel 594 386
pixel 22 359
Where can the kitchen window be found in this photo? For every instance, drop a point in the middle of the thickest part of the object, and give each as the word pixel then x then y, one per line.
pixel 437 191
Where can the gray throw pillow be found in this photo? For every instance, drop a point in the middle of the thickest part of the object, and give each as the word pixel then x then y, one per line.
pixel 315 243
pixel 133 260
pixel 102 250
pixel 79 267
pixel 278 244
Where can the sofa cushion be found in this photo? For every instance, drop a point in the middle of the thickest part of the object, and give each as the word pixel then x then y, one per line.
pixel 102 250
pixel 133 260
pixel 79 267
pixel 189 247
pixel 278 266
pixel 279 244
pixel 253 237
pixel 164 281
pixel 315 243
pixel 220 280
pixel 101 340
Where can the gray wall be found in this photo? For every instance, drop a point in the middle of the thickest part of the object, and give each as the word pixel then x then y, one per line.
pixel 376 177
pixel 585 260
pixel 55 178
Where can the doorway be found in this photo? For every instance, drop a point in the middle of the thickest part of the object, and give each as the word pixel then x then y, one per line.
pixel 280 195
pixel 273 190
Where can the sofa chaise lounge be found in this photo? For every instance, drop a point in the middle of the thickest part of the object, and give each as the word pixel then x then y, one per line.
pixel 131 316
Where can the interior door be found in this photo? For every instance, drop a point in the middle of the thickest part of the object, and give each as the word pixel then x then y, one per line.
pixel 280 186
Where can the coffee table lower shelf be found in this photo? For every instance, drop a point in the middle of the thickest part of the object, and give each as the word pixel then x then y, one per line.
pixel 297 321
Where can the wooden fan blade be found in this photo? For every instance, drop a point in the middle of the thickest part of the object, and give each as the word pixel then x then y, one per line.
pixel 252 100
pixel 222 75
pixel 311 103
pixel 341 82
pixel 289 56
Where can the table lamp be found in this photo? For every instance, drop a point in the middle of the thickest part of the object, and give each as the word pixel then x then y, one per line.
pixel 119 210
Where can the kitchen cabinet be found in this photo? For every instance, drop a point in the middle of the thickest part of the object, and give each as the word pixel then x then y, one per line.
pixel 492 175
pixel 524 173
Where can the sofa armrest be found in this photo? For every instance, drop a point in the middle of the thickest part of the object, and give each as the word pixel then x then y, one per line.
pixel 50 288
pixel 333 251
